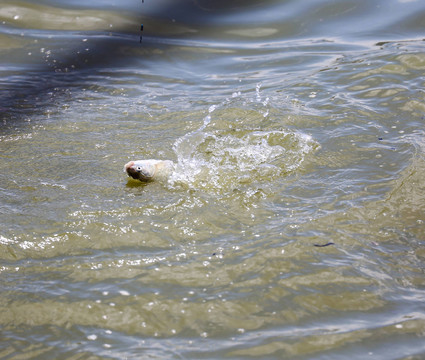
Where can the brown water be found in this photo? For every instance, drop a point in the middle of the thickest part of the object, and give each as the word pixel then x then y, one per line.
pixel 292 124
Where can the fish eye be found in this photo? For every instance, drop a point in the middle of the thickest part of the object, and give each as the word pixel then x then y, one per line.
pixel 139 168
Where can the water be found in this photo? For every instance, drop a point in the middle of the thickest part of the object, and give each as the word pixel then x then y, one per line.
pixel 292 124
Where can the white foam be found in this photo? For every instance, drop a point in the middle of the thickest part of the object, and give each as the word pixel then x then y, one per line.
pixel 221 154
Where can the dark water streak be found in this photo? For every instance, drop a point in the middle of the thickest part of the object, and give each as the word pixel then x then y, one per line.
pixel 199 19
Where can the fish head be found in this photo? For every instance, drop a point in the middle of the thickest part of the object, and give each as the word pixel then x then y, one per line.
pixel 142 170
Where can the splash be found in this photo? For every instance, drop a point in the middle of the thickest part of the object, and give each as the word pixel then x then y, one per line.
pixel 224 154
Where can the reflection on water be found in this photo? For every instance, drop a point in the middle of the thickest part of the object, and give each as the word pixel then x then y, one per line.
pixel 291 124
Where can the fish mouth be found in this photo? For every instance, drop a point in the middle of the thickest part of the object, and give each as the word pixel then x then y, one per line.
pixel 128 165
pixel 133 173
pixel 128 168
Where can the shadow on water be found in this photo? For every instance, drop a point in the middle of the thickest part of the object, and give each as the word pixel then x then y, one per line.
pixel 50 47
pixel 131 183
pixel 31 88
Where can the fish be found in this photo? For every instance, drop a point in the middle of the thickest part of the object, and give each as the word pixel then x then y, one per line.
pixel 149 170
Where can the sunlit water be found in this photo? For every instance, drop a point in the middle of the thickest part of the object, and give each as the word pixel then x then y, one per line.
pixel 292 125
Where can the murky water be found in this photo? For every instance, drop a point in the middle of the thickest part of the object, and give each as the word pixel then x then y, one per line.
pixel 292 125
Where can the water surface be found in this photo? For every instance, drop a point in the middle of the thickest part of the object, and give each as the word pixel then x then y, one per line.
pixel 292 125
